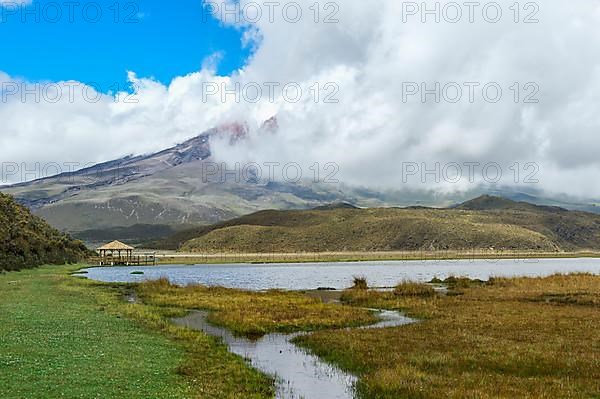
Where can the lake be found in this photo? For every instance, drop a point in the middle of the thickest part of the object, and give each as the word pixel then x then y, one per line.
pixel 309 276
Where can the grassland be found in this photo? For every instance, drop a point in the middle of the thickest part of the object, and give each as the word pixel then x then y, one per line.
pixel 254 313
pixel 67 337
pixel 478 225
pixel 527 337
pixel 536 338
pixel 63 336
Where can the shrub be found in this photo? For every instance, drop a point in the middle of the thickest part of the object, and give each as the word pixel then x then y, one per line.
pixel 27 241
pixel 360 283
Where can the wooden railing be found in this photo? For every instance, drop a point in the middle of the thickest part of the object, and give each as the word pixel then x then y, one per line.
pixel 134 260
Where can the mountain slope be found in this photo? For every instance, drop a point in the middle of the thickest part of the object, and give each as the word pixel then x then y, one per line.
pixel 27 241
pixel 172 187
pixel 503 224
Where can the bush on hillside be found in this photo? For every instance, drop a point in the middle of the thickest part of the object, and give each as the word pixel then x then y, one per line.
pixel 27 241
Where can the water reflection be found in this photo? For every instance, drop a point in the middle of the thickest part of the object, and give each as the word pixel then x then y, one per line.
pixel 298 373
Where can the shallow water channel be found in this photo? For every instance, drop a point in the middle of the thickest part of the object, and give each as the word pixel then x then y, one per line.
pixel 299 374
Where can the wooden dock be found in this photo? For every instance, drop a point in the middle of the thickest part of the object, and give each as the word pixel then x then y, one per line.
pixel 130 260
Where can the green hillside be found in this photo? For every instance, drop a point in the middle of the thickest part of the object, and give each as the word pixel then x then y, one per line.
pixel 483 223
pixel 27 241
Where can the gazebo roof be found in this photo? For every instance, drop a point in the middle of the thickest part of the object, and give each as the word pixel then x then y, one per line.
pixel 115 246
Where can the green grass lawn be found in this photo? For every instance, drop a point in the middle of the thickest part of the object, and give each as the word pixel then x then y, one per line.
pixel 71 338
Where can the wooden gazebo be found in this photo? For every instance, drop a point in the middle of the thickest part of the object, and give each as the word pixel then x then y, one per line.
pixel 115 253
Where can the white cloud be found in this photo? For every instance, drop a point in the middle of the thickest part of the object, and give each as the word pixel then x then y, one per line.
pixel 370 55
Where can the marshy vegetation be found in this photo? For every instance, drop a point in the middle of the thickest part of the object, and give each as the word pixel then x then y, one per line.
pixel 360 283
pixel 255 313
pixel 410 289
pixel 360 296
pixel 506 338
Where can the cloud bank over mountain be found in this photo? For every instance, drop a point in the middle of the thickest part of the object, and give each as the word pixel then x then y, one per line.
pixel 393 94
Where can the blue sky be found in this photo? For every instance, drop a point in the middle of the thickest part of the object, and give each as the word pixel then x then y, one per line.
pixel 161 40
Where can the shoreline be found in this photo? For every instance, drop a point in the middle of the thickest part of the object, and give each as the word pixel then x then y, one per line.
pixel 353 257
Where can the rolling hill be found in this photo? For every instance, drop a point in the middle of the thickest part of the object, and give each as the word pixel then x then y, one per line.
pixel 482 223
pixel 27 241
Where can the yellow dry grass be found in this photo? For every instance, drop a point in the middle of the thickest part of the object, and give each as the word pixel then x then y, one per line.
pixel 255 313
pixel 512 338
